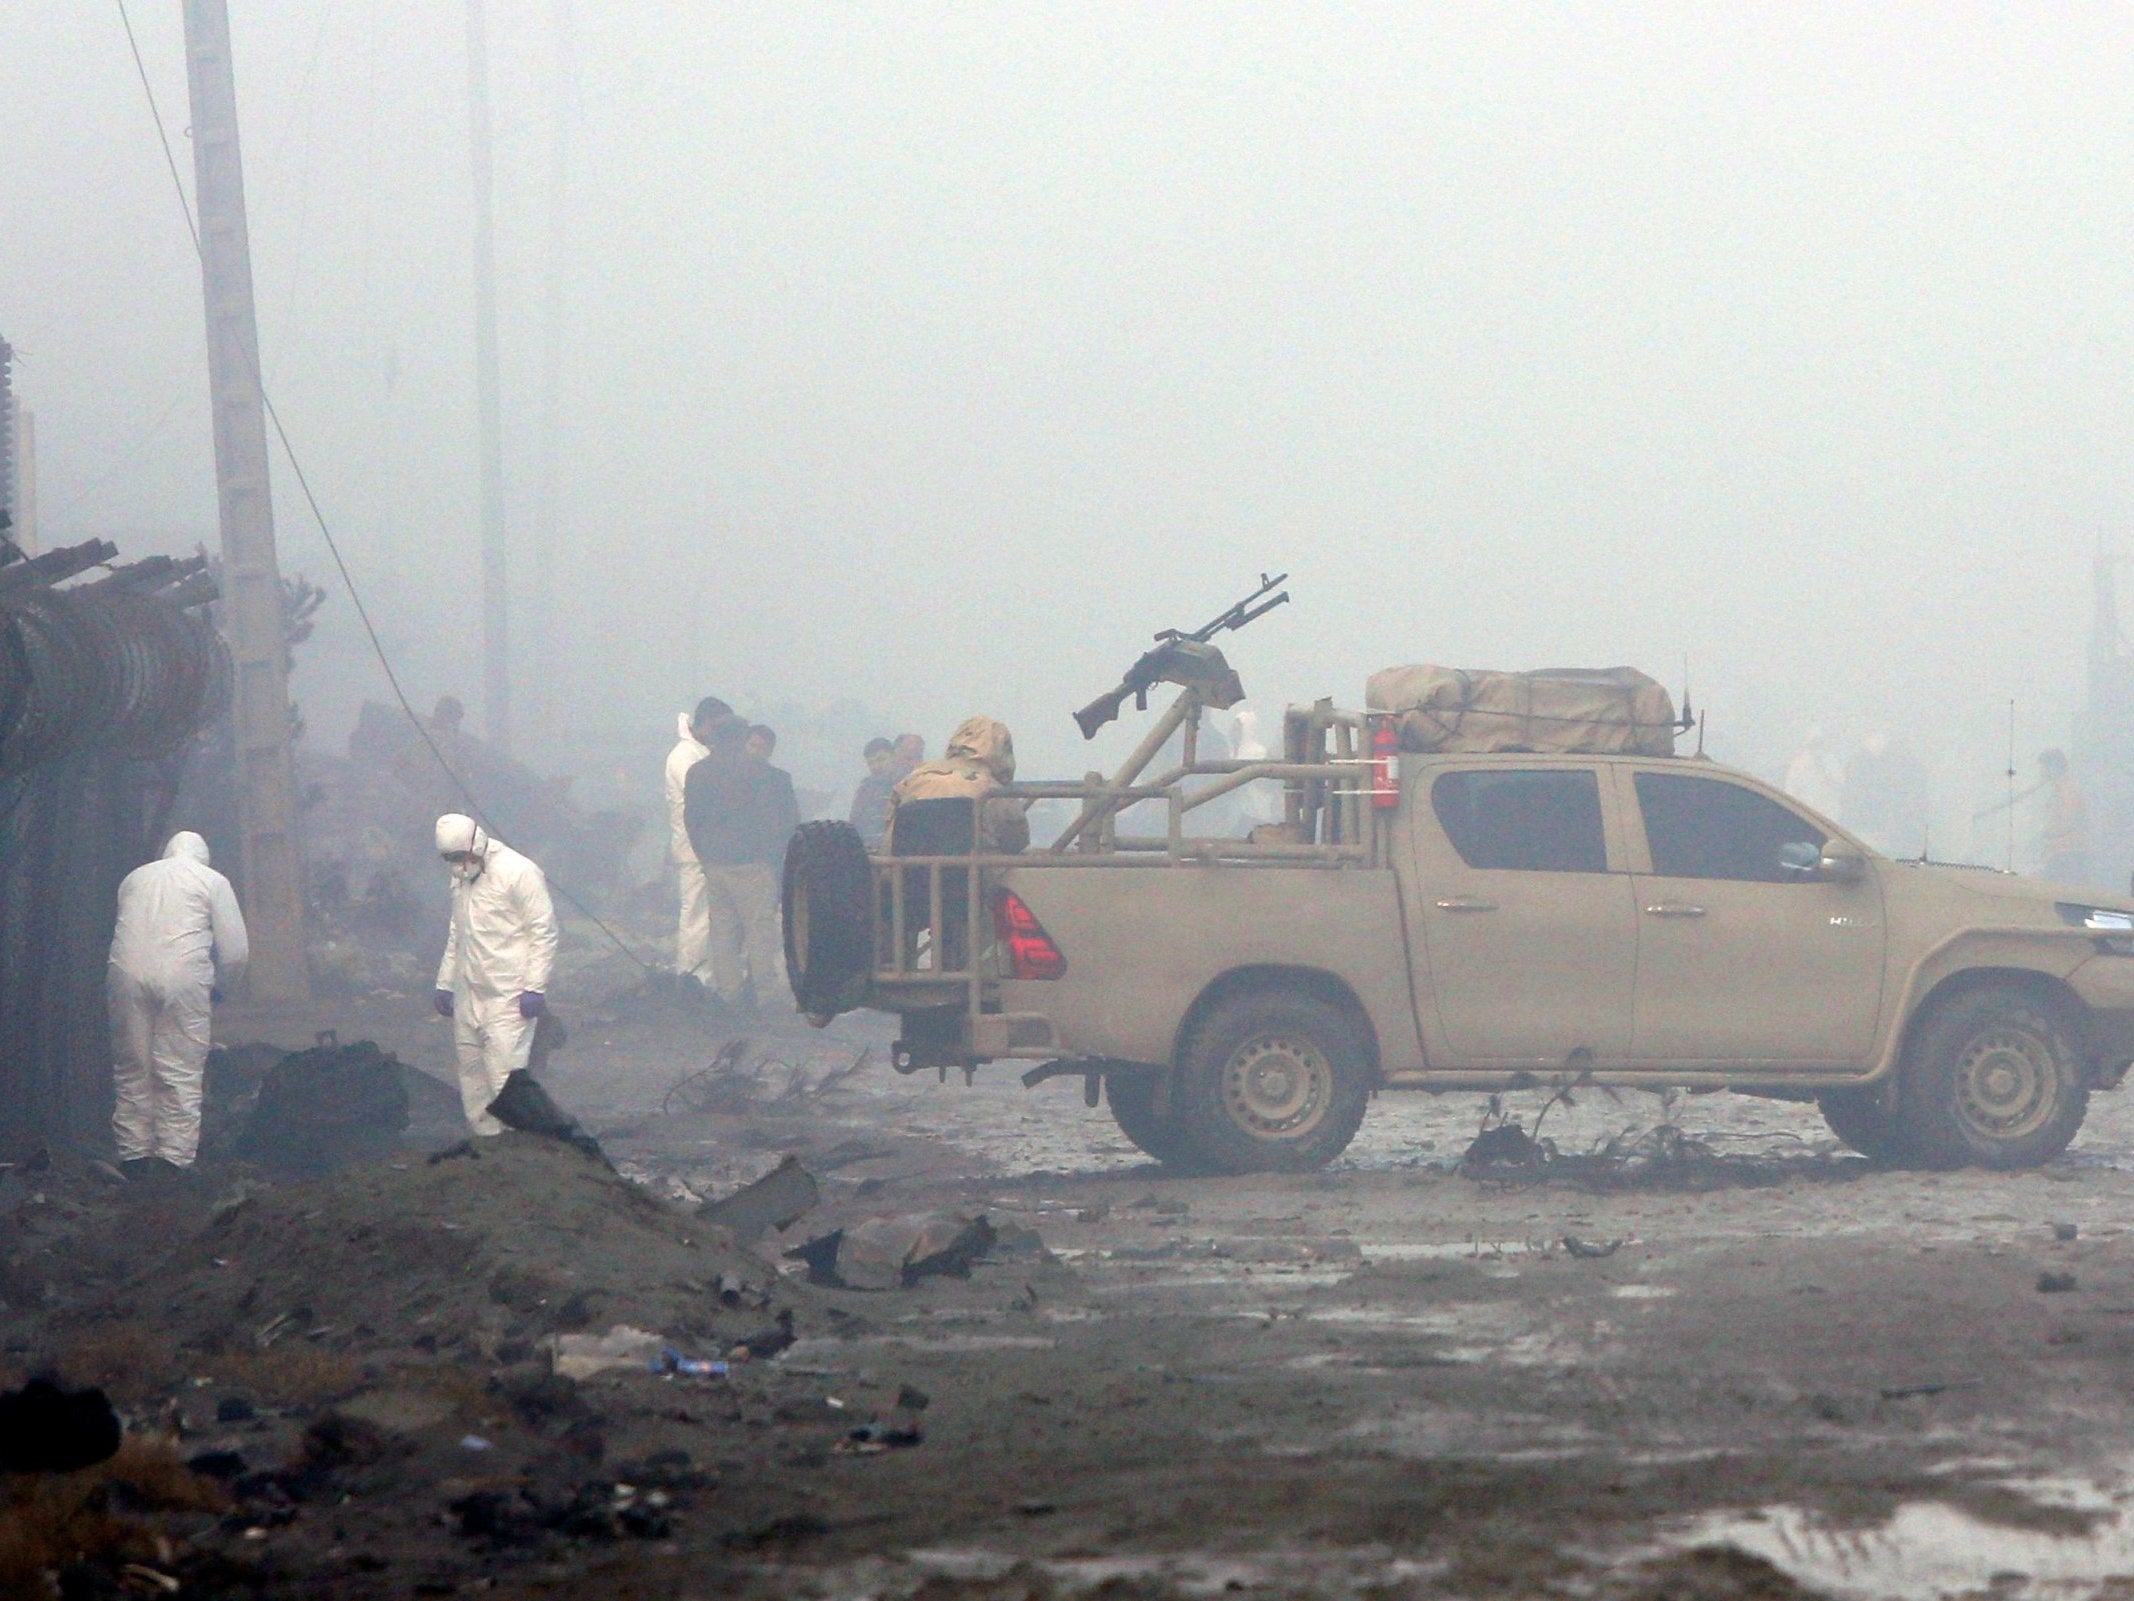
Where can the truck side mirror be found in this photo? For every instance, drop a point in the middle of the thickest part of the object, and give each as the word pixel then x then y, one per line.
pixel 1841 864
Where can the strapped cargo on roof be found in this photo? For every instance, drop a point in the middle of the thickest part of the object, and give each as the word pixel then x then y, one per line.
pixel 1613 711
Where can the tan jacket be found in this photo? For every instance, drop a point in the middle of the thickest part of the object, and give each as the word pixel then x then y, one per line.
pixel 980 758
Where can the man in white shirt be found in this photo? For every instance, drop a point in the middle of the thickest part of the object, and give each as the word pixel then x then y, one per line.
pixel 692 938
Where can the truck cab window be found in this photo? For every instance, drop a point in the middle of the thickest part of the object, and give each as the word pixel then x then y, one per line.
pixel 1545 820
pixel 1703 828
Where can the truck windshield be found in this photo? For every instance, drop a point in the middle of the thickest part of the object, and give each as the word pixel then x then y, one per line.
pixel 1544 820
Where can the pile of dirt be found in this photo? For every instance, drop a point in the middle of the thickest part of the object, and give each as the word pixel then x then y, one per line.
pixel 366 1357
pixel 481 1249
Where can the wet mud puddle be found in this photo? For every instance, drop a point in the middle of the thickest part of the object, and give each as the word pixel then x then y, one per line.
pixel 2075 1541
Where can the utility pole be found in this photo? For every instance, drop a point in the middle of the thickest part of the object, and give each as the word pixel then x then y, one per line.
pixel 496 609
pixel 540 587
pixel 251 578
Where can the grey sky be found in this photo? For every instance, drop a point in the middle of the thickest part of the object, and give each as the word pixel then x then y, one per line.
pixel 934 355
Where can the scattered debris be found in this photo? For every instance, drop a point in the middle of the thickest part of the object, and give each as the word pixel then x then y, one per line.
pixel 1659 1158
pixel 765 1343
pixel 889 1253
pixel 740 1078
pixel 580 1356
pixel 1590 1250
pixel 1904 1392
pixel 2055 1283
pixel 319 1109
pixel 778 1200
pixel 2063 1232
pixel 47 1429
pixel 870 1439
pixel 524 1105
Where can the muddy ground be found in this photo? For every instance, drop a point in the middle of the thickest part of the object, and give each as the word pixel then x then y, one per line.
pixel 1790 1373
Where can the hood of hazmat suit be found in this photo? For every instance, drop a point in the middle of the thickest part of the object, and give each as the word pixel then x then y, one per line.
pixel 688 751
pixel 980 758
pixel 503 935
pixel 178 918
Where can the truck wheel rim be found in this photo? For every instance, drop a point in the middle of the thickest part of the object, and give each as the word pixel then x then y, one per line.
pixel 1277 1086
pixel 2005 1082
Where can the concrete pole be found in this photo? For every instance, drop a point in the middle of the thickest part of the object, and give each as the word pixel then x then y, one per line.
pixel 496 608
pixel 251 577
pixel 540 586
pixel 25 533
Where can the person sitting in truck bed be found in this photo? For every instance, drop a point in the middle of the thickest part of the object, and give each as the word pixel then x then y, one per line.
pixel 980 758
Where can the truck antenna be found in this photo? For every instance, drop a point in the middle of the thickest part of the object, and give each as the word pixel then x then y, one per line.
pixel 2011 783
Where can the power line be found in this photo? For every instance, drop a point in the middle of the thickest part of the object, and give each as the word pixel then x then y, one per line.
pixel 333 548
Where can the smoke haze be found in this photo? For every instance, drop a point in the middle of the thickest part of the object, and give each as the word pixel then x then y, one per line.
pixel 931 358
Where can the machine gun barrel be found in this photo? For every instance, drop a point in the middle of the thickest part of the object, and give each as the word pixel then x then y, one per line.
pixel 1154 665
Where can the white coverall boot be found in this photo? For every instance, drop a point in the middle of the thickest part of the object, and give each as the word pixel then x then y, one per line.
pixel 177 918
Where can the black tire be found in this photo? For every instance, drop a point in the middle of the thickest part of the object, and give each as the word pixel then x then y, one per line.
pixel 1131 1094
pixel 1271 1081
pixel 828 901
pixel 1992 1078
pixel 1859 1119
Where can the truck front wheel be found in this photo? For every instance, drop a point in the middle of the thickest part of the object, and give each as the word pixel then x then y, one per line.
pixel 1991 1078
pixel 1271 1081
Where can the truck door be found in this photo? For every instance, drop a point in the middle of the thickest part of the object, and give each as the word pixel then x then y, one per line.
pixel 1529 936
pixel 1744 953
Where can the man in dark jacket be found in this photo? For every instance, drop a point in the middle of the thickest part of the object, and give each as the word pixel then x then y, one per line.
pixel 870 802
pixel 737 820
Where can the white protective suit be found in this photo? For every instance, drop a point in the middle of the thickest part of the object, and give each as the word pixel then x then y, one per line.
pixel 177 920
pixel 692 938
pixel 502 945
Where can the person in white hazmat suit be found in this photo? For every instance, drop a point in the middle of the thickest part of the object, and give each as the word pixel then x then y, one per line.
pixel 692 937
pixel 178 921
pixel 493 981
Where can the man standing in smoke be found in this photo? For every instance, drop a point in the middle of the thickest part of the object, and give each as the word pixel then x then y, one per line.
pixel 692 936
pixel 735 811
pixel 177 920
pixel 493 981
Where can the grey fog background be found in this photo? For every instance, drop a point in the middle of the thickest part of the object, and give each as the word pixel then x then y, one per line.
pixel 930 357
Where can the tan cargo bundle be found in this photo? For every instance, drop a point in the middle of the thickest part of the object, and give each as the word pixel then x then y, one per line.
pixel 1613 711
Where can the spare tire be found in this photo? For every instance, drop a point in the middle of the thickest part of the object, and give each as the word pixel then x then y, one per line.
pixel 828 900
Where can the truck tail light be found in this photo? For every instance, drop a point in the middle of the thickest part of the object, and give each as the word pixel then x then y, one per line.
pixel 1031 953
pixel 1385 750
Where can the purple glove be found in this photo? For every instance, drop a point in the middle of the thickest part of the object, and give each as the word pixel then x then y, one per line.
pixel 442 1000
pixel 532 1003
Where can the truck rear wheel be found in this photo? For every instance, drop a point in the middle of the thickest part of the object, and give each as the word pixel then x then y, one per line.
pixel 1859 1119
pixel 1991 1078
pixel 1271 1081
pixel 1132 1098
pixel 828 900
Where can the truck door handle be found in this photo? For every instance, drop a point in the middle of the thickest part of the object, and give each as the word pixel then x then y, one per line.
pixel 1466 903
pixel 1674 909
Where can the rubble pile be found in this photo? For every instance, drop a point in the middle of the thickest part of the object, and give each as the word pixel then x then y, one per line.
pixel 385 1338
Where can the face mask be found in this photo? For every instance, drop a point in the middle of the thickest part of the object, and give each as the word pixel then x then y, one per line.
pixel 467 869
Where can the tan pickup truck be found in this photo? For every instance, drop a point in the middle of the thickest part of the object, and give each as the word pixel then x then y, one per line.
pixel 1474 922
